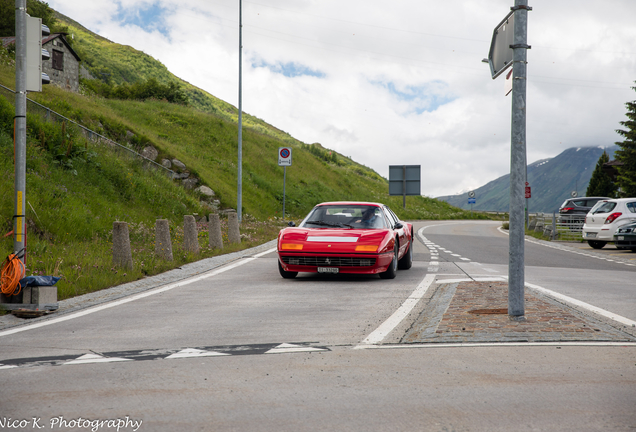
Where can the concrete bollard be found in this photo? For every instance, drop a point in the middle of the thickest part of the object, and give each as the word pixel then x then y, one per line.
pixel 190 235
pixel 214 231
pixel 163 243
pixel 233 235
pixel 122 257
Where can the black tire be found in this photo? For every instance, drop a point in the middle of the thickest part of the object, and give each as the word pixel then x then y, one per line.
pixel 286 274
pixel 391 272
pixel 407 260
pixel 596 244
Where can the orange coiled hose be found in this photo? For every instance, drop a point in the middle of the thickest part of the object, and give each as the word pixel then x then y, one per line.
pixel 12 272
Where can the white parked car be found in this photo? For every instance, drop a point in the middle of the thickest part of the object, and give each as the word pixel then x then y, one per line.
pixel 605 218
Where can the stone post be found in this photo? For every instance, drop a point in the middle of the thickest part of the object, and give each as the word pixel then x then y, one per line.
pixel 122 257
pixel 190 236
pixel 214 231
pixel 163 243
pixel 233 235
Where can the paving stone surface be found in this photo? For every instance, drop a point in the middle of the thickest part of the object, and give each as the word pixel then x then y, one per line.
pixel 477 312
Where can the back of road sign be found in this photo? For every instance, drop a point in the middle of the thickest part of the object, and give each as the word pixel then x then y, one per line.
pixel 500 54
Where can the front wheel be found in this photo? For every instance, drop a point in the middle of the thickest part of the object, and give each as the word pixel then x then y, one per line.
pixel 286 274
pixel 407 260
pixel 391 272
pixel 596 244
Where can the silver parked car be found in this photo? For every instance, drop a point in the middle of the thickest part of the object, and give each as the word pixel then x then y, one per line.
pixel 602 222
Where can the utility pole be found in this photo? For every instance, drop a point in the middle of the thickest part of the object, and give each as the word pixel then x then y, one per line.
pixel 19 218
pixel 516 266
pixel 239 197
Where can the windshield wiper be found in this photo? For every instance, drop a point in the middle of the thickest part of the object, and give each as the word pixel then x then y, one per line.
pixel 323 223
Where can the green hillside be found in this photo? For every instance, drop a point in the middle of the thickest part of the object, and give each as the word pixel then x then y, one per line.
pixel 77 187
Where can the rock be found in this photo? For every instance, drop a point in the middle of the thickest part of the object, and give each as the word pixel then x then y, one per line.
pixel 129 135
pixel 190 183
pixel 178 164
pixel 166 163
pixel 181 176
pixel 150 152
pixel 204 190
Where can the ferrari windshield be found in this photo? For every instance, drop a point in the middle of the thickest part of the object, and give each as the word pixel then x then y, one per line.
pixel 345 216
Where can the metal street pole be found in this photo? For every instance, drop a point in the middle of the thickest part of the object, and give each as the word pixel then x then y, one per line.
pixel 284 183
pixel 516 266
pixel 19 219
pixel 239 197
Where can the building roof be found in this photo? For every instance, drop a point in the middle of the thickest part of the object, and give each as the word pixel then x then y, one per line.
pixel 10 40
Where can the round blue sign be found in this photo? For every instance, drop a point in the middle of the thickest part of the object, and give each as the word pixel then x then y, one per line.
pixel 284 153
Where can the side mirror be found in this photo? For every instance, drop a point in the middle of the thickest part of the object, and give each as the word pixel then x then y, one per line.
pixel 398 225
pixel 291 224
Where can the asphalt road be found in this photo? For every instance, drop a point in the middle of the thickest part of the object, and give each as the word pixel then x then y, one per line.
pixel 242 349
pixel 603 278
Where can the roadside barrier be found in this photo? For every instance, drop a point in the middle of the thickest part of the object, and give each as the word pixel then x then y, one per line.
pixel 190 235
pixel 557 226
pixel 214 231
pixel 122 256
pixel 163 243
pixel 233 235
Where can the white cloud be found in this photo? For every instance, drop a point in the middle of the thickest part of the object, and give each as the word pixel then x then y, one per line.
pixel 398 83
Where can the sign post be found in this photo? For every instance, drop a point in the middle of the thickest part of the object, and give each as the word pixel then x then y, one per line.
pixel 510 39
pixel 471 200
pixel 284 160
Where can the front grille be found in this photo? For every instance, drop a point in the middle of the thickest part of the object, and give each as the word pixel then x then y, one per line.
pixel 323 261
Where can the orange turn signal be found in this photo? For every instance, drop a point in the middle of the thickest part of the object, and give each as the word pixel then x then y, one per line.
pixel 366 248
pixel 291 246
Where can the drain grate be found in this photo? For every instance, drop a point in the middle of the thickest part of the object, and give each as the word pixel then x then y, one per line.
pixel 503 311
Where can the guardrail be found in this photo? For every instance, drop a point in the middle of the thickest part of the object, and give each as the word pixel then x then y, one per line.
pixel 90 134
pixel 557 226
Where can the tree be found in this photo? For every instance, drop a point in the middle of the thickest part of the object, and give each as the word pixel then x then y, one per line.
pixel 35 8
pixel 601 184
pixel 626 178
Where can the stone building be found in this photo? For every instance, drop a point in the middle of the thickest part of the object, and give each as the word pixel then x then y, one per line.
pixel 63 68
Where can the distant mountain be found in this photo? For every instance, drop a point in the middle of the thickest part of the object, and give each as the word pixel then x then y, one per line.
pixel 552 181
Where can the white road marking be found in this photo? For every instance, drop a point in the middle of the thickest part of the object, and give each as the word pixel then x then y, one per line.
pixel 144 294
pixel 496 344
pixel 95 358
pixel 387 326
pixel 291 348
pixel 503 231
pixel 472 279
pixel 597 310
pixel 193 352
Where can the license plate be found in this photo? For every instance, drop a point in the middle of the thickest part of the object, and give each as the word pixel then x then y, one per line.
pixel 591 235
pixel 621 237
pixel 328 269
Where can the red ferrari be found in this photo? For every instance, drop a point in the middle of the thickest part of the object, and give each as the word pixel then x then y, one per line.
pixel 346 237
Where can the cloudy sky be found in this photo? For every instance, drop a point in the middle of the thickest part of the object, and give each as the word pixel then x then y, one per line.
pixel 399 82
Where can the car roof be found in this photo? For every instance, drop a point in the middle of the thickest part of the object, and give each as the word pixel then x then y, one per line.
pixel 338 203
pixel 580 198
pixel 620 200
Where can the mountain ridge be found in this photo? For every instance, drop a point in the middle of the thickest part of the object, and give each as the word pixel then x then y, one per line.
pixel 552 181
